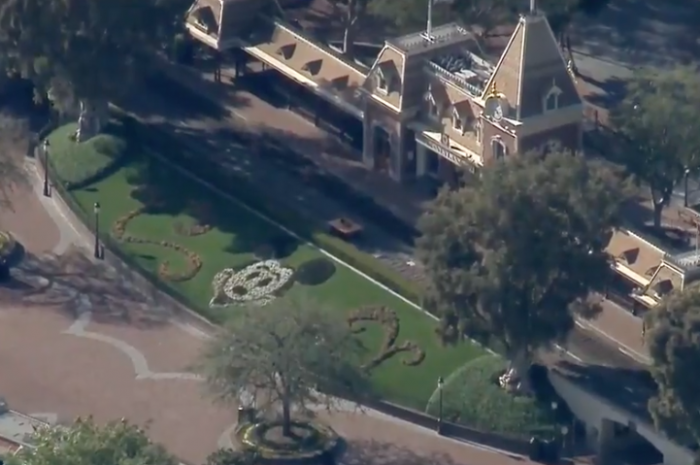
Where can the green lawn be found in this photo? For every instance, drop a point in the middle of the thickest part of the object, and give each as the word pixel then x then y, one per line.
pixel 169 210
pixel 238 238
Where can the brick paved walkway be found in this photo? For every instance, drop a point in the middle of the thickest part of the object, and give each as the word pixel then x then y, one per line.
pixel 24 217
pixel 80 338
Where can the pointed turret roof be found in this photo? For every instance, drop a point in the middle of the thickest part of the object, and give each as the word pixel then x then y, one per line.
pixel 531 65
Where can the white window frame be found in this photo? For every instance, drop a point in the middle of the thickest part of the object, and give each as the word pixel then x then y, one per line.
pixel 498 141
pixel 457 122
pixel 553 92
pixel 382 83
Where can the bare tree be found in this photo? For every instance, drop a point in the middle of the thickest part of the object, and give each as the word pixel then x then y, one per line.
pixel 282 355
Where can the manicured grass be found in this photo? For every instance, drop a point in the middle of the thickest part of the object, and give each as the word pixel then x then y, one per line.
pixel 235 237
pixel 75 163
pixel 232 242
pixel 471 396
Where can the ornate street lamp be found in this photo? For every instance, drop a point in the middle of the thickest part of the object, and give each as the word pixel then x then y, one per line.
pixel 440 385
pixel 96 211
pixel 45 153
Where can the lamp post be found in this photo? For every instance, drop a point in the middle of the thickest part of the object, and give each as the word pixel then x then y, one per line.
pixel 564 432
pixel 685 187
pixel 96 210
pixel 440 385
pixel 45 153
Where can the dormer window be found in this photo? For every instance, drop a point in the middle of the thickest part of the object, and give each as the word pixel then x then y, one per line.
pixel 551 99
pixel 382 84
pixel 457 122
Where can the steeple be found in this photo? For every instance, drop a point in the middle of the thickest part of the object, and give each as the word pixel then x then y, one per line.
pixel 531 64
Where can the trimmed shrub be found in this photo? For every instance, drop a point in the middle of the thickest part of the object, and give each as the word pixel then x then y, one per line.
pixel 79 164
pixel 315 272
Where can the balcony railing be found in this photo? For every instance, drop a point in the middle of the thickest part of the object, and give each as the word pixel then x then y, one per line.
pixel 441 72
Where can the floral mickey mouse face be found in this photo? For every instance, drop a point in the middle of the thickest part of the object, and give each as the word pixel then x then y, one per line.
pixel 255 284
pixel 261 282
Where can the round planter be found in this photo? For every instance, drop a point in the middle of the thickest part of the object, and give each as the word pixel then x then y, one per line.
pixel 311 442
pixel 7 245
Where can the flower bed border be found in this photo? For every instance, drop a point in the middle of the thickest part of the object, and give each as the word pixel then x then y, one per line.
pixel 325 242
pixel 10 247
pixel 331 442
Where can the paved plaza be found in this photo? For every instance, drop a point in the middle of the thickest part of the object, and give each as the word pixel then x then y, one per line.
pixel 79 338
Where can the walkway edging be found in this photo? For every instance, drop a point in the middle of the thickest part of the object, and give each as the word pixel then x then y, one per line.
pixel 401 413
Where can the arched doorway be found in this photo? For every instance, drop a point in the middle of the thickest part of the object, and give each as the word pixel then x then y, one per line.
pixel 381 141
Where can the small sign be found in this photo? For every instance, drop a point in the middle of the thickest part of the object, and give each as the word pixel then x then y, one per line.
pixel 445 139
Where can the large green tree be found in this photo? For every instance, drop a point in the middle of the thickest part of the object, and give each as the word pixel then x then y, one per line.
pixel 87 443
pixel 282 356
pixel 483 16
pixel 512 255
pixel 673 339
pixel 658 120
pixel 85 53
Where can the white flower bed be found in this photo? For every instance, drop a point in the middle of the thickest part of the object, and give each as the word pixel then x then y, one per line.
pixel 254 284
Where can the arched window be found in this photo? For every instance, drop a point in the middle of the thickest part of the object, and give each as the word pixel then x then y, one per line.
pixel 498 148
pixel 551 99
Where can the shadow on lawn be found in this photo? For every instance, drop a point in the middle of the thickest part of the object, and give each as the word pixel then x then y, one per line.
pixel 166 192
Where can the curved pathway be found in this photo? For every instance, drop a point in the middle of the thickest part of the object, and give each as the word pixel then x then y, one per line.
pixel 79 338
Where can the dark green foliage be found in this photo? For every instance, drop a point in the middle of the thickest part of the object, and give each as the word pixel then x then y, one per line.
pixel 513 256
pixel 658 120
pixel 315 272
pixel 674 346
pixel 85 50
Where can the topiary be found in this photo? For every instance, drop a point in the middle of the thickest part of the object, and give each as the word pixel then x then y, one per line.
pixel 315 272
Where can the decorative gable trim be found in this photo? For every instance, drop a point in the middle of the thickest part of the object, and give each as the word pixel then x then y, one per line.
pixel 287 51
pixel 313 67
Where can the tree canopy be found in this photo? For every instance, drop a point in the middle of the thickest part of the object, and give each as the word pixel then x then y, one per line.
pixel 673 338
pixel 87 443
pixel 85 51
pixel 658 119
pixel 513 255
pixel 482 15
pixel 283 355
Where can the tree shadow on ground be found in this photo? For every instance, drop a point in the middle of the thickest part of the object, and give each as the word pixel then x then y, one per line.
pixel 166 191
pixel 288 180
pixel 374 452
pixel 170 99
pixel 69 280
pixel 640 33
